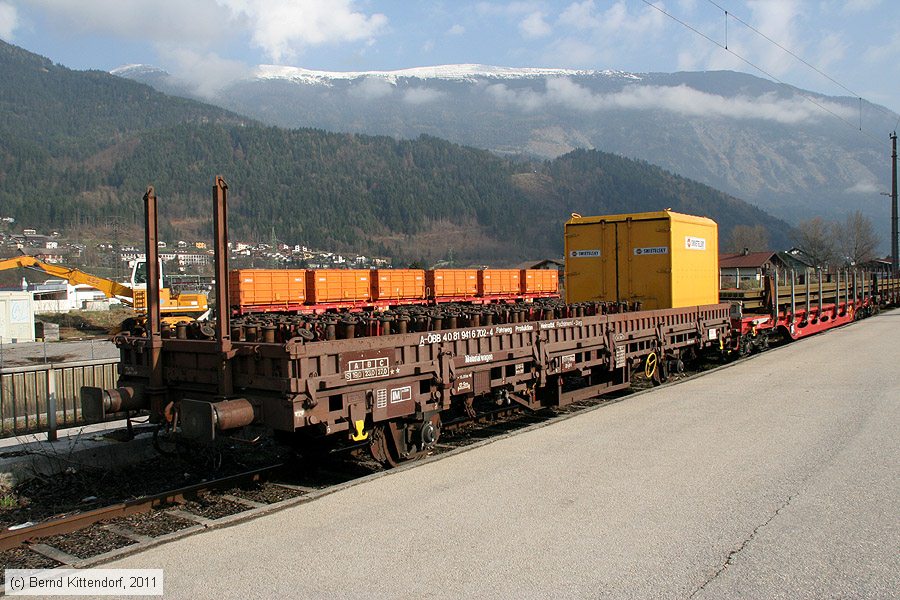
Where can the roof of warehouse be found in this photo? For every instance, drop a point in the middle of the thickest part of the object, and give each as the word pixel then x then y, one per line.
pixel 740 260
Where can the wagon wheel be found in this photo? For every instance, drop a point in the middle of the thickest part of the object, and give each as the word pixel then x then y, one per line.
pixel 383 447
pixel 394 442
pixel 654 368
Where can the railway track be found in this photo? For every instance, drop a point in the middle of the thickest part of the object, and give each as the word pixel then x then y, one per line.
pixel 85 536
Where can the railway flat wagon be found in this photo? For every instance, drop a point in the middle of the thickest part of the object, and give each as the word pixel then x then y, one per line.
pixel 390 390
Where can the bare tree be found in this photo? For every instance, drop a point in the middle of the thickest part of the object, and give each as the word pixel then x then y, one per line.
pixel 858 240
pixel 754 239
pixel 818 238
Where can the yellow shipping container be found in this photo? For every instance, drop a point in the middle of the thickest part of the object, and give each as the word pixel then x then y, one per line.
pixel 662 259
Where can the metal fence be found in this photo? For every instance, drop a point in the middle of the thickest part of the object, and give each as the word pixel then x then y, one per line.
pixel 39 398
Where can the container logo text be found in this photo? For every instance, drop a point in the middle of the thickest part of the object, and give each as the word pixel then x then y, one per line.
pixel 694 243
pixel 652 250
pixel 584 253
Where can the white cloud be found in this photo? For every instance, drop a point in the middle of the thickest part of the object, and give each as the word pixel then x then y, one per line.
pixel 282 28
pixel 778 21
pixel 831 49
pixel 864 187
pixel 592 36
pixel 575 52
pixel 682 100
pixel 422 96
pixel 206 72
pixel 534 26
pixel 509 9
pixel 580 15
pixel 428 46
pixel 372 88
pixel 616 20
pixel 9 20
pixel 888 51
pixel 526 100
pixel 456 30
pixel 173 21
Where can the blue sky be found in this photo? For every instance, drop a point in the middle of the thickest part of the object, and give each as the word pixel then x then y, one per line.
pixel 856 42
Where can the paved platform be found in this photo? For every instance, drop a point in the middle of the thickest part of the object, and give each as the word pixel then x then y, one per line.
pixel 776 477
pixel 24 354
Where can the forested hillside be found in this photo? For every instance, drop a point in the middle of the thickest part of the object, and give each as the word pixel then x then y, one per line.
pixel 78 147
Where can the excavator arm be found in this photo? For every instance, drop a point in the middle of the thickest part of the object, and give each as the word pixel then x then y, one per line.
pixel 111 288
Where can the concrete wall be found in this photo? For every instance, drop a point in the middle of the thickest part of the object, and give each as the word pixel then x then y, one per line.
pixel 16 317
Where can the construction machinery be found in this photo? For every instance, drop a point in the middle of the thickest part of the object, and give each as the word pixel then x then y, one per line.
pixel 174 307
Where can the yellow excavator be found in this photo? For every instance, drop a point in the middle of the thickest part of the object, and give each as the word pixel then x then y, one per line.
pixel 173 307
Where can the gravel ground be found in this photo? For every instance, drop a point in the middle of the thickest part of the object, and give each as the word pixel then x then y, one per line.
pixel 88 542
pixel 265 493
pixel 155 523
pixel 23 558
pixel 212 507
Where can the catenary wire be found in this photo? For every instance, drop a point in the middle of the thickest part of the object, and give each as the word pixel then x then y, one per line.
pixel 796 56
pixel 758 68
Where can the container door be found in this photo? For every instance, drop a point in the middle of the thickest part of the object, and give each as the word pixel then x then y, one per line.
pixel 644 259
pixel 590 262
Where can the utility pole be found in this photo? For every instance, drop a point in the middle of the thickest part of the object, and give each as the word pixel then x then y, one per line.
pixel 894 249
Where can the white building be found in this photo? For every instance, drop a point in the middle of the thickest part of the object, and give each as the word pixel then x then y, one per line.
pixel 16 317
pixel 59 296
pixel 190 258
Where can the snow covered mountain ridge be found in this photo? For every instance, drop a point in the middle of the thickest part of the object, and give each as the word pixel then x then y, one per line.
pixel 463 72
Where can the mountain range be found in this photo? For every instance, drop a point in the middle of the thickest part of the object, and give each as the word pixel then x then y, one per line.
pixel 78 149
pixel 794 153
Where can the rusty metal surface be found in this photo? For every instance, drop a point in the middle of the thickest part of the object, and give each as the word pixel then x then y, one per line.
pixel 155 389
pixel 223 328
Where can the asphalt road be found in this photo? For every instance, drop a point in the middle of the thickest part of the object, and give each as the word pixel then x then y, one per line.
pixel 777 477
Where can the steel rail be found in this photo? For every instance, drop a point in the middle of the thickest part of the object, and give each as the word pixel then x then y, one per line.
pixel 75 522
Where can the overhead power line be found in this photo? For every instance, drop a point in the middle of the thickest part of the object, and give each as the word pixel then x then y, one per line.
pixel 758 68
pixel 792 53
